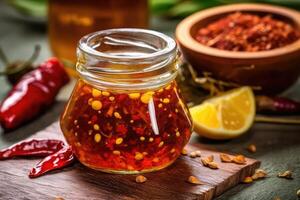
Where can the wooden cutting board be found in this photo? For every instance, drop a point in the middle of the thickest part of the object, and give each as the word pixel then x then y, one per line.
pixel 79 182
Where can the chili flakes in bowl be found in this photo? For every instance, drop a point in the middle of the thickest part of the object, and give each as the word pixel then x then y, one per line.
pixel 247 32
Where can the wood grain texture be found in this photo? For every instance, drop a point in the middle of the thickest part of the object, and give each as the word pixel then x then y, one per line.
pixel 79 182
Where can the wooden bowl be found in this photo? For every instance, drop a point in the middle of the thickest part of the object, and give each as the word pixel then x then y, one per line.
pixel 274 70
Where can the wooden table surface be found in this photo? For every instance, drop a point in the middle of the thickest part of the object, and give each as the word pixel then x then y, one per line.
pixel 278 146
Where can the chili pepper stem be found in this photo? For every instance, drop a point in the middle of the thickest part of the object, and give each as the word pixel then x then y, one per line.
pixel 3 57
pixel 22 65
pixel 276 120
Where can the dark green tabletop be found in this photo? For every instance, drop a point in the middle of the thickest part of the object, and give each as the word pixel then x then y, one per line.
pixel 278 146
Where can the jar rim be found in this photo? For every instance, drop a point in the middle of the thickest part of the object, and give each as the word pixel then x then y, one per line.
pixel 127 58
pixel 85 45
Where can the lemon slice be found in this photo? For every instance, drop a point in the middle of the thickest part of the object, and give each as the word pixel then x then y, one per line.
pixel 226 116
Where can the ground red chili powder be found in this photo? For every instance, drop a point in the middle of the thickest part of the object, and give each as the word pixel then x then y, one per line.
pixel 247 32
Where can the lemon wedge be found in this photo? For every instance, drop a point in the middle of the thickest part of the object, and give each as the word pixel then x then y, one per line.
pixel 226 116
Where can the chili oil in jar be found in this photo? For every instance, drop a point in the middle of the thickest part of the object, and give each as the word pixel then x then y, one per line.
pixel 126 113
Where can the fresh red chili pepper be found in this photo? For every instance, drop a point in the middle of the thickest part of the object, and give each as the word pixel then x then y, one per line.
pixel 34 92
pixel 32 148
pixel 57 160
pixel 277 105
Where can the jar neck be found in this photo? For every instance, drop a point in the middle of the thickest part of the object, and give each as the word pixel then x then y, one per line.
pixel 127 59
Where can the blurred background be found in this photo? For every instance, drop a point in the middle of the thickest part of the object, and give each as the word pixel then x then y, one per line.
pixel 58 25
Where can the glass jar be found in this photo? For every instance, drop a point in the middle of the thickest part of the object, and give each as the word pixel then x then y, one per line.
pixel 126 113
pixel 69 20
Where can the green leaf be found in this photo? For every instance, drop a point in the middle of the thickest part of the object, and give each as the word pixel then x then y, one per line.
pixel 36 8
pixel 188 7
pixel 161 6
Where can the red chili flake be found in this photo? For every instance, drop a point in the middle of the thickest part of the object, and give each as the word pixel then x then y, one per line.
pixel 94 119
pixel 247 32
pixel 139 130
pixel 135 117
pixel 121 128
pixel 121 98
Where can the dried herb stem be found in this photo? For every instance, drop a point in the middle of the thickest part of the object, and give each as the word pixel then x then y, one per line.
pixel 212 85
pixel 276 120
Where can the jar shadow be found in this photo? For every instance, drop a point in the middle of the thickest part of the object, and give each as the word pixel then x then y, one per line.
pixel 168 183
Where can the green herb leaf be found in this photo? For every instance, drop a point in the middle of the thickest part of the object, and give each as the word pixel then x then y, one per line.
pixel 35 8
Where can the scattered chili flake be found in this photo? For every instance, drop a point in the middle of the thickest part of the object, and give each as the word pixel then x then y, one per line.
pixel 247 32
pixel 184 152
pixel 259 174
pixel 198 153
pixel 140 179
pixel 287 175
pixel 239 159
pixel 248 179
pixel 194 180
pixel 225 158
pixel 204 161
pixel 195 154
pixel 251 148
pixel 59 198
pixel 298 193
pixel 213 165
pixel 209 162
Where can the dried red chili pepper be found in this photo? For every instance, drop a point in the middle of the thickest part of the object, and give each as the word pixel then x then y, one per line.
pixel 32 94
pixel 277 105
pixel 57 160
pixel 32 148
